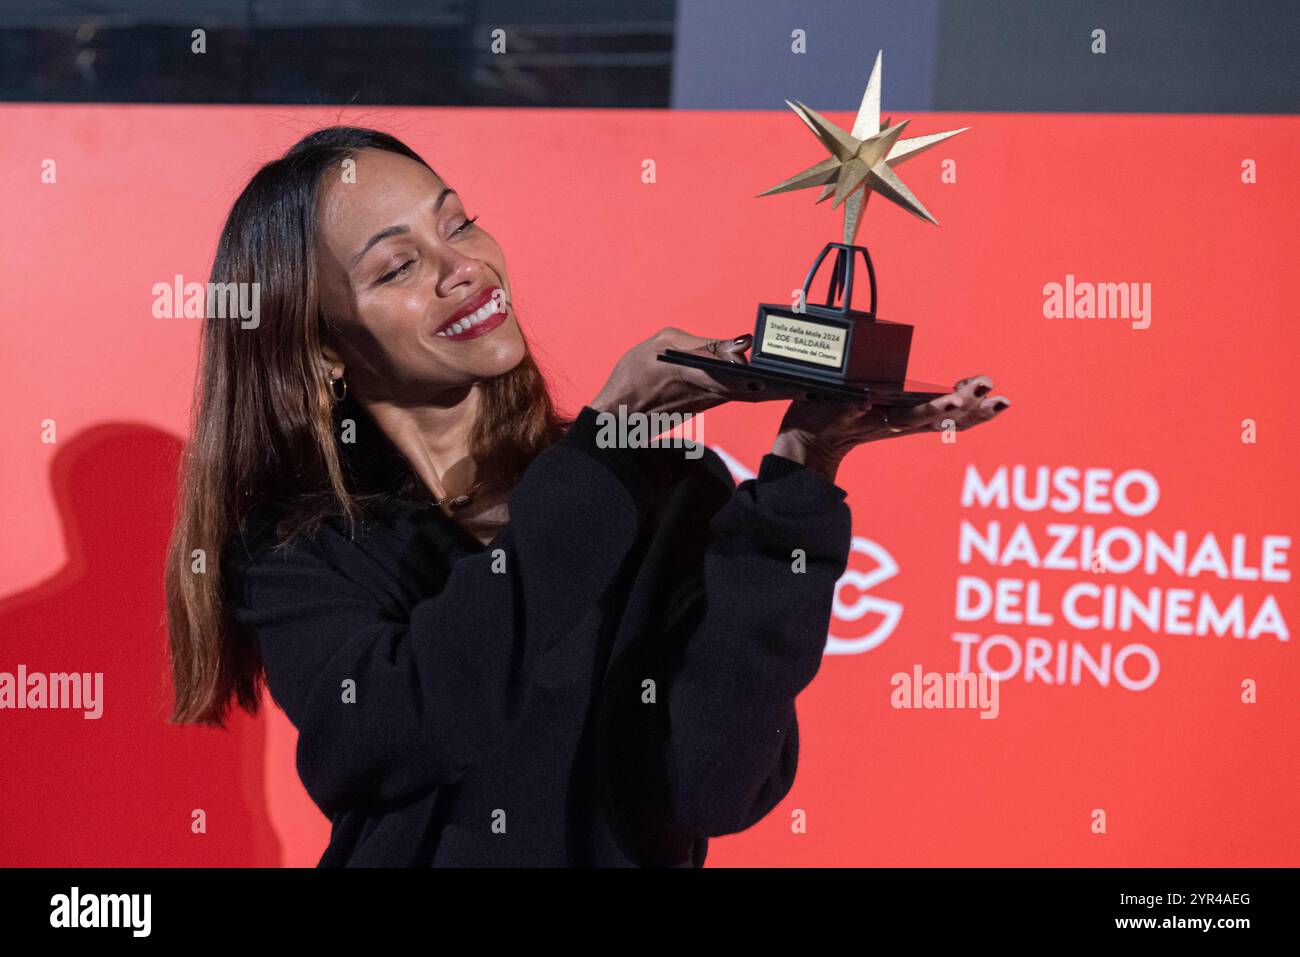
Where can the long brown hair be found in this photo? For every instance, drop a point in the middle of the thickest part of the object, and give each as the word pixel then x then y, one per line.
pixel 265 426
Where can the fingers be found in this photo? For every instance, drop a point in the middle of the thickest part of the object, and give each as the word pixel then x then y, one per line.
pixel 723 350
pixel 982 411
pixel 732 350
pixel 970 404
pixel 973 388
pixel 931 414
pixel 955 411
pixel 988 408
pixel 675 338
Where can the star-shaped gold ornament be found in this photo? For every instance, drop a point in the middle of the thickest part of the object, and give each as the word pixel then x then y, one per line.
pixel 861 161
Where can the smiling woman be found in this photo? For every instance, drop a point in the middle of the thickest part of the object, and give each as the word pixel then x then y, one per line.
pixel 502 641
pixel 417 301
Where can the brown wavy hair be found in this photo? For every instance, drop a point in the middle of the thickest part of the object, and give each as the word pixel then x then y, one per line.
pixel 265 426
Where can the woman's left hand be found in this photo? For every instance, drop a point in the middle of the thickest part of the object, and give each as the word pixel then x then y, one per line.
pixel 819 434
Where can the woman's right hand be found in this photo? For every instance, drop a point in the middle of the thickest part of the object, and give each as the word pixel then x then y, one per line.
pixel 642 383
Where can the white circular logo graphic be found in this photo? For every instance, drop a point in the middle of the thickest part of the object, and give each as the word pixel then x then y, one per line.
pixel 853 601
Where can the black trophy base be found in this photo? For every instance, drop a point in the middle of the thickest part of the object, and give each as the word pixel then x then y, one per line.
pixel 890 394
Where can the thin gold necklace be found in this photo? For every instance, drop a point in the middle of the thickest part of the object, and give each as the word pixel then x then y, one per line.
pixel 463 499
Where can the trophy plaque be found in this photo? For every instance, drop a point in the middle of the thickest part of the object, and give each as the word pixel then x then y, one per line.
pixel 825 350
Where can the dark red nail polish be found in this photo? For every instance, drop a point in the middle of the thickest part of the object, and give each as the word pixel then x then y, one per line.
pixel 981 389
pixel 999 406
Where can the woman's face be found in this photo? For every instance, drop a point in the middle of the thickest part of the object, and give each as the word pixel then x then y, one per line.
pixel 420 290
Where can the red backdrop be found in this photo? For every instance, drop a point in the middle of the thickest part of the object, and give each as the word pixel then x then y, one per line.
pixel 1185 770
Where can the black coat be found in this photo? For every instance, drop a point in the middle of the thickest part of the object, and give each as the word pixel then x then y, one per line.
pixel 608 683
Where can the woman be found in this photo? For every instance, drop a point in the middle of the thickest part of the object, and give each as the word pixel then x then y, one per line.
pixel 501 642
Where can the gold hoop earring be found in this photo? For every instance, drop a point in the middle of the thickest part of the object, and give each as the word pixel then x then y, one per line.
pixel 334 392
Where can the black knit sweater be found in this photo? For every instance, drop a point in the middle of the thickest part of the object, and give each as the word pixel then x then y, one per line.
pixel 610 682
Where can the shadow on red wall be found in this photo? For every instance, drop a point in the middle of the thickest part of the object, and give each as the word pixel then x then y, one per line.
pixel 122 789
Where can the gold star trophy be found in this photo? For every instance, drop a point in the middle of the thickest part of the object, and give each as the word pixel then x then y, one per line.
pixel 829 351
